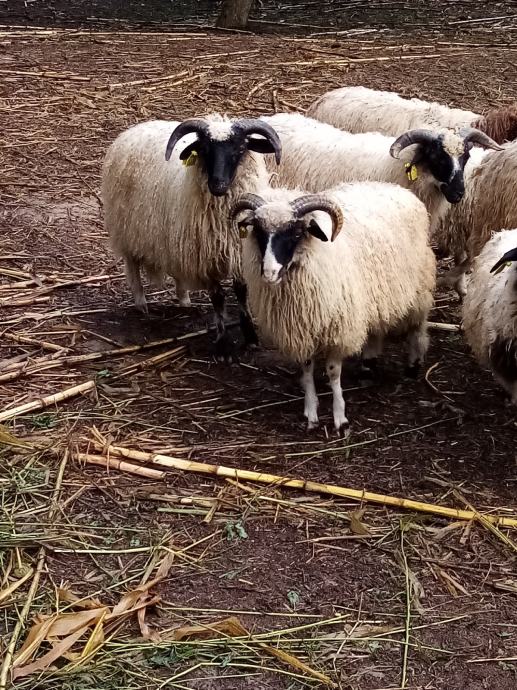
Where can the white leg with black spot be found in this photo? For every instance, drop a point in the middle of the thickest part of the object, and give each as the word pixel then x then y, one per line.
pixel 334 365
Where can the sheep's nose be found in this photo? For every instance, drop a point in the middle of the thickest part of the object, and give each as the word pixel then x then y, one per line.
pixel 218 187
pixel 270 275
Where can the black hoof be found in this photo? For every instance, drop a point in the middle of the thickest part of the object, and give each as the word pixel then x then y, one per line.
pixel 249 333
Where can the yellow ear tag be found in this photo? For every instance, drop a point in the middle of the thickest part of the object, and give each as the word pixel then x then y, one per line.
pixel 243 232
pixel 191 160
pixel 411 171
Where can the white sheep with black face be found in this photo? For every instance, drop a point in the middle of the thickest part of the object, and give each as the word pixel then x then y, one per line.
pixel 332 274
pixel 489 205
pixel 316 156
pixel 489 313
pixel 358 109
pixel 167 208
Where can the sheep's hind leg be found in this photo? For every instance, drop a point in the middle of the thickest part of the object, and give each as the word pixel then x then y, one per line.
pixel 371 353
pixel 311 398
pixel 246 323
pixel 334 365
pixel 223 345
pixel 134 280
pixel 418 343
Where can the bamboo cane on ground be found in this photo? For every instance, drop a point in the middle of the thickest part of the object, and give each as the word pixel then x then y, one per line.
pixel 303 484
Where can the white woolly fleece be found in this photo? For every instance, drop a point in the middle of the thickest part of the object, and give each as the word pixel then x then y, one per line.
pixel 376 277
pixel 358 109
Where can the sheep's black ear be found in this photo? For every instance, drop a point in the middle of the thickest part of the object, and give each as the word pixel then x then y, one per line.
pixel 260 145
pixel 506 258
pixel 316 231
pixel 189 150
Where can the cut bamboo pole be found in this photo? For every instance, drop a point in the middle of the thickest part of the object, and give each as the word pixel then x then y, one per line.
pixel 122 466
pixel 303 484
pixel 47 401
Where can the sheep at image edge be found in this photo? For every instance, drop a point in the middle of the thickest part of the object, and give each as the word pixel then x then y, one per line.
pixel 358 109
pixel 489 205
pixel 489 313
pixel 337 298
pixel 167 211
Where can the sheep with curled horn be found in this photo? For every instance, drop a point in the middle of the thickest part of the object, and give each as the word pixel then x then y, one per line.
pixel 489 315
pixel 166 207
pixel 333 274
pixel 430 163
pixel 489 205
pixel 357 109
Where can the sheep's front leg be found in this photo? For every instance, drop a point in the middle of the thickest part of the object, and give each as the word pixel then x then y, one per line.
pixel 246 323
pixel 134 280
pixel 334 365
pixel 223 345
pixel 311 398
pixel 183 295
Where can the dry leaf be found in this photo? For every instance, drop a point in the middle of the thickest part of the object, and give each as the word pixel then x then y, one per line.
pixel 67 596
pixel 8 439
pixel 47 659
pixel 356 526
pixel 35 637
pixel 96 638
pixel 228 627
pixel 5 593
pixel 146 631
pixel 165 566
pixel 67 623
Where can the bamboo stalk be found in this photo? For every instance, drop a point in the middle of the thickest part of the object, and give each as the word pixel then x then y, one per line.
pixel 47 401
pixel 303 484
pixel 120 465
pixel 32 341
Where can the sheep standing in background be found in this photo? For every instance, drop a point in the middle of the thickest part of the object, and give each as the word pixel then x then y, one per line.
pixel 489 314
pixel 316 156
pixel 167 211
pixel 489 204
pixel 357 109
pixel 311 296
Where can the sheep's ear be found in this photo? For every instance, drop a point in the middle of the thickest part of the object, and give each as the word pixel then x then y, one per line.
pixel 504 261
pixel 314 229
pixel 189 150
pixel 260 145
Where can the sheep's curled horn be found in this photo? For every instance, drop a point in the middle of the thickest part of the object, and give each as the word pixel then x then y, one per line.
pixel 319 202
pixel 186 127
pixel 414 136
pixel 255 126
pixel 425 136
pixel 476 136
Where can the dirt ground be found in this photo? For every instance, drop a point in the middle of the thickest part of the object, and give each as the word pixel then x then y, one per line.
pixel 373 598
